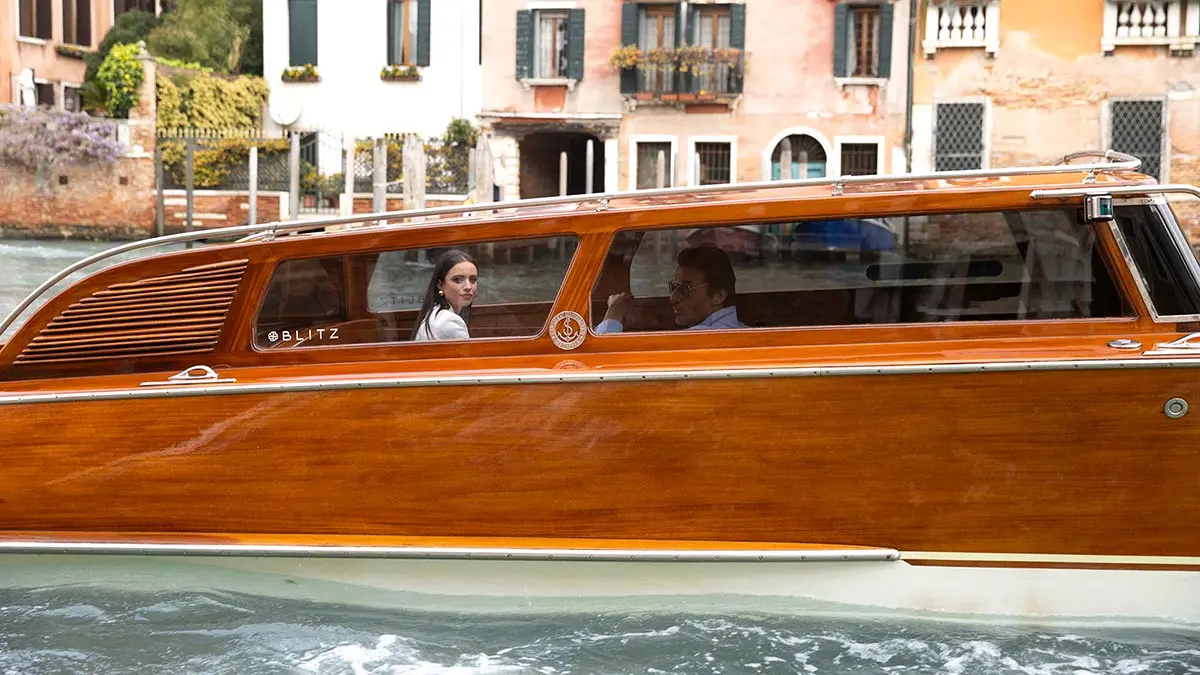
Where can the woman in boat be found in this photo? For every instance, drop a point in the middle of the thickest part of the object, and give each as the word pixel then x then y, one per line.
pixel 446 309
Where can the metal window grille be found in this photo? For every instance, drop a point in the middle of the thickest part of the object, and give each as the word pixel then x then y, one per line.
pixel 864 35
pixel 714 163
pixel 860 159
pixel 1137 129
pixel 648 156
pixel 958 137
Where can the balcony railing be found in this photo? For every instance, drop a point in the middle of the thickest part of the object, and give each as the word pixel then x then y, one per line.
pixel 1174 24
pixel 955 23
pixel 689 74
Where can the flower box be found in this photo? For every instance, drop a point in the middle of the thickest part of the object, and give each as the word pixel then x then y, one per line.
pixel 305 73
pixel 71 51
pixel 645 96
pixel 400 74
pixel 670 98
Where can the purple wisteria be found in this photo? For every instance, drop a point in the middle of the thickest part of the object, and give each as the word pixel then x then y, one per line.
pixel 45 138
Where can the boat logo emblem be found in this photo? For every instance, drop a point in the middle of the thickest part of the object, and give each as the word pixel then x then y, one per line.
pixel 567 330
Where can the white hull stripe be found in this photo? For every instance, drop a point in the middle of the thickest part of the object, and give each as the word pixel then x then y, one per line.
pixel 1053 558
pixel 560 377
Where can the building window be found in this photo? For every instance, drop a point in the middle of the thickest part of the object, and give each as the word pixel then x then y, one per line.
pixel 862 41
pixel 797 157
pixel 860 159
pixel 655 167
pixel 403 32
pixel 77 22
pixel 72 98
pixel 45 93
pixel 122 6
pixel 712 28
pixel 1136 128
pixel 656 31
pixel 302 32
pixel 714 163
pixel 958 136
pixel 550 43
pixel 34 18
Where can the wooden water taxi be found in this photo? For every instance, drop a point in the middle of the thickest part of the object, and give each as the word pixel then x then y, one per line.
pixel 956 393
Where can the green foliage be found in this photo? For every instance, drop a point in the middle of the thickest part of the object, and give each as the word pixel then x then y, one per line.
pixel 121 76
pixel 130 29
pixel 217 158
pixel 224 35
pixel 186 65
pixel 460 131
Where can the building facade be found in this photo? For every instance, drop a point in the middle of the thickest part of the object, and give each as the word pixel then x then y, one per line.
pixel 41 46
pixel 691 93
pixel 1019 82
pixel 433 48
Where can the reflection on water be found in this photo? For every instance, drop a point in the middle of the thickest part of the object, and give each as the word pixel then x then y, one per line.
pixel 82 629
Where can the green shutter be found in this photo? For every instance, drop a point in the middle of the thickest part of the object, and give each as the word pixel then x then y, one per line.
pixel 737 40
pixel 841 30
pixel 885 41
pixel 423 32
pixel 302 26
pixel 575 43
pixel 392 14
pixel 524 44
pixel 629 36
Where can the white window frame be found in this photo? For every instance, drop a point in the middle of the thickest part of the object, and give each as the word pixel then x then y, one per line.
pixel 838 141
pixel 26 38
pixel 62 94
pixel 832 160
pixel 1165 144
pixel 634 139
pixel 693 162
pixel 986 160
pixel 53 86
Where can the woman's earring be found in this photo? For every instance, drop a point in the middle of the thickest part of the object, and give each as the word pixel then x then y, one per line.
pixel 440 293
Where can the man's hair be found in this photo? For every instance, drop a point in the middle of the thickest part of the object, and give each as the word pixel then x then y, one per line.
pixel 715 265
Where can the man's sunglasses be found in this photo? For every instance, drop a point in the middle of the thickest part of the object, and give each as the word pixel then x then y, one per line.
pixel 684 287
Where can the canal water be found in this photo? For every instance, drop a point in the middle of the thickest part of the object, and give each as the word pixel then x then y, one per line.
pixel 82 627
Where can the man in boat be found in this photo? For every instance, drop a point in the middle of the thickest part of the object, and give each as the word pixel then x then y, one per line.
pixel 702 293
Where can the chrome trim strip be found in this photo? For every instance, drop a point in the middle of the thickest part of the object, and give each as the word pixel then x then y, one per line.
pixel 1054 558
pixel 270 230
pixel 452 553
pixel 592 377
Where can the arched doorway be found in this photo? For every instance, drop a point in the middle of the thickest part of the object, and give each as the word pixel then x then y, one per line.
pixel 798 156
pixel 541 163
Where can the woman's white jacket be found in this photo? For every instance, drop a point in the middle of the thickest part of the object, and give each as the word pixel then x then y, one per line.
pixel 442 324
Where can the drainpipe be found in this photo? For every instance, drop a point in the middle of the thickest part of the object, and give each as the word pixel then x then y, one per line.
pixel 908 106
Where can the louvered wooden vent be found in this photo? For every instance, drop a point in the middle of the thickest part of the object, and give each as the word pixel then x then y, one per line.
pixel 178 313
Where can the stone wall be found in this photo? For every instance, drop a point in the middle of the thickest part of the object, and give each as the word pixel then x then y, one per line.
pixel 215 208
pixel 89 201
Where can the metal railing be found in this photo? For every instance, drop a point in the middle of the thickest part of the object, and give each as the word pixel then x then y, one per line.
pixel 267 231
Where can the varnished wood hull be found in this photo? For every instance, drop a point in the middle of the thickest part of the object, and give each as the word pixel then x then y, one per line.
pixel 1059 462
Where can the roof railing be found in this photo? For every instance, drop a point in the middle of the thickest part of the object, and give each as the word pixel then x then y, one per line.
pixel 1116 161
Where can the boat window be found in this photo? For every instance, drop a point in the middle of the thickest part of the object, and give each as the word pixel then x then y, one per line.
pixel 992 266
pixel 373 298
pixel 1165 271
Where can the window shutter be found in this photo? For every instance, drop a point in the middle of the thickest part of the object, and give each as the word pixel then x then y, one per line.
pixel 302 26
pixel 83 25
pixel 575 43
pixel 841 36
pixel 737 40
pixel 524 44
pixel 885 41
pixel 44 29
pixel 391 33
pixel 629 36
pixel 423 19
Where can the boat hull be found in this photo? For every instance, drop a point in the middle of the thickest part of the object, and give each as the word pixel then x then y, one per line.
pixel 1075 462
pixel 1016 595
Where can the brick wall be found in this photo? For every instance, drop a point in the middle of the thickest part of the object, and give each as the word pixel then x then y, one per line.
pixel 89 201
pixel 365 203
pixel 213 208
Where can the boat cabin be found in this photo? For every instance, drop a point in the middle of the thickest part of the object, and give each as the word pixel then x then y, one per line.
pixel 808 264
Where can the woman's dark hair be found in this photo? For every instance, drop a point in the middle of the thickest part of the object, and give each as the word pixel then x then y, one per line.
pixel 433 299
